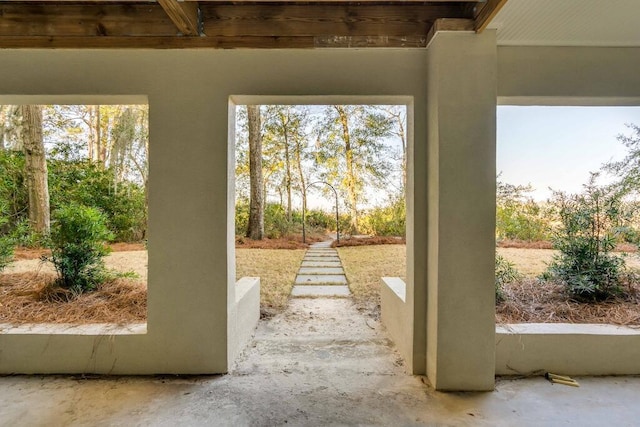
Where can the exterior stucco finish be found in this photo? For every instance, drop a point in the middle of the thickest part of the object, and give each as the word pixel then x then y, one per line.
pixel 191 284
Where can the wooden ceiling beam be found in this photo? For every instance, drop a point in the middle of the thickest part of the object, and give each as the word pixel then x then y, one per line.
pixel 448 24
pixel 486 12
pixel 321 20
pixel 185 15
pixel 84 20
pixel 172 42
pixel 223 24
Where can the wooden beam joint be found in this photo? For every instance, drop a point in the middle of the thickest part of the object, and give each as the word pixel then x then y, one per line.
pixel 185 15
pixel 486 13
pixel 448 24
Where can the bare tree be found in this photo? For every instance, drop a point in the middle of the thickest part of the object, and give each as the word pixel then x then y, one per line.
pixel 351 179
pixel 10 127
pixel 255 230
pixel 36 168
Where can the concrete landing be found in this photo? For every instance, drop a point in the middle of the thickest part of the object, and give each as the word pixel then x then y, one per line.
pixel 319 363
pixel 320 291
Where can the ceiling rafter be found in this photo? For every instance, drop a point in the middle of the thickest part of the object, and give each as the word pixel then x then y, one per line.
pixel 235 24
pixel 185 15
pixel 486 12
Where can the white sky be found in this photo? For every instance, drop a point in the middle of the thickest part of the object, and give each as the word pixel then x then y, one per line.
pixel 557 147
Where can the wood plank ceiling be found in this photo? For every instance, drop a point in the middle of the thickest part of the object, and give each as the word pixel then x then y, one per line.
pixel 177 24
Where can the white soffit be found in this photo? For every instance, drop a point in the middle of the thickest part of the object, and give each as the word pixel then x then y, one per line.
pixel 568 23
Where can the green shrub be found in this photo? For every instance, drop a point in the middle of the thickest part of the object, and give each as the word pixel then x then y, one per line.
pixel 242 217
pixel 6 243
pixel 13 190
pixel 518 216
pixel 6 252
pixel 276 224
pixel 77 243
pixel 320 219
pixel 505 273
pixel 388 220
pixel 88 184
pixel 585 265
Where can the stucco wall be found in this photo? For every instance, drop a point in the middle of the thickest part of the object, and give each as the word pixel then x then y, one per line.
pixel 568 76
pixel 188 92
pixel 578 76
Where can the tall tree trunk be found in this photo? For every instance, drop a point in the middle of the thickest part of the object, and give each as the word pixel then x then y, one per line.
pixel 36 168
pixel 3 125
pixel 351 179
pixel 303 183
pixel 403 139
pixel 11 127
pixel 287 163
pixel 255 230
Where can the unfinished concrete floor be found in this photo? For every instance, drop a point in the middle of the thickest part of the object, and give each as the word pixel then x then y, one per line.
pixel 318 363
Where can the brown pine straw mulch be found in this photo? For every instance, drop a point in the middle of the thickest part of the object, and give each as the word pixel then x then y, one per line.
pixel 544 244
pixel 530 301
pixel 368 241
pixel 32 298
pixel 293 241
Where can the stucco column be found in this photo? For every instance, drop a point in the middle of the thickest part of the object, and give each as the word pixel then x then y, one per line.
pixel 461 213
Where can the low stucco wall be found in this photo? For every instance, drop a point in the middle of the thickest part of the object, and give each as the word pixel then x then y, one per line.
pixel 567 349
pixel 243 316
pixel 394 315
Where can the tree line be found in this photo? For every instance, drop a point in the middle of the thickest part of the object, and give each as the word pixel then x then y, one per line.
pixel 288 151
pixel 54 155
pixel 585 227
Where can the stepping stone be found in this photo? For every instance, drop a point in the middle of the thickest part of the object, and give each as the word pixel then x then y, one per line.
pixel 310 279
pixel 307 264
pixel 326 244
pixel 321 254
pixel 320 291
pixel 320 270
pixel 323 258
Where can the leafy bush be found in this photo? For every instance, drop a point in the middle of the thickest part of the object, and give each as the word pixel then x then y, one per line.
pixel 78 239
pixel 6 252
pixel 6 243
pixel 505 273
pixel 388 220
pixel 585 265
pixel 242 217
pixel 13 191
pixel 321 220
pixel 276 224
pixel 518 216
pixel 86 183
pixel 71 180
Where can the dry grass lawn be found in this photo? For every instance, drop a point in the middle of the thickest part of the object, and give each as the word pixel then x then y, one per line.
pixel 533 262
pixel 277 270
pixel 365 265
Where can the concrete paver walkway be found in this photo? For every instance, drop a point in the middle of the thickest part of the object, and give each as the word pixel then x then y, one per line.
pixel 321 273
